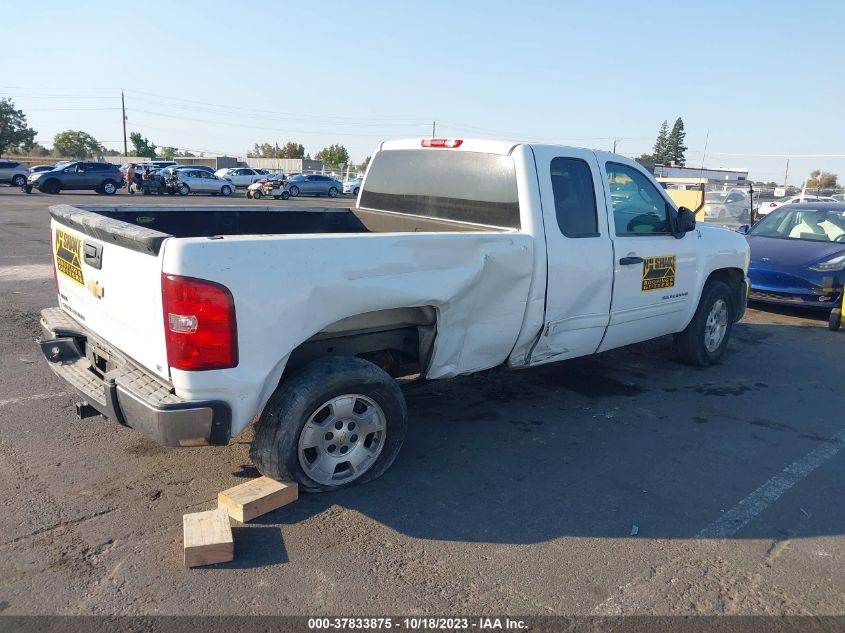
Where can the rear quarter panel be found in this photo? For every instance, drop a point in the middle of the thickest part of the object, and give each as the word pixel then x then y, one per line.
pixel 288 288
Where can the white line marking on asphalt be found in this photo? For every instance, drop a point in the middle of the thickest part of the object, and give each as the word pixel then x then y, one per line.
pixel 26 272
pixel 743 512
pixel 635 593
pixel 37 396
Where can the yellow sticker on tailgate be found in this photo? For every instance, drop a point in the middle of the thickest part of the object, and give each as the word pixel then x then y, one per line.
pixel 69 256
pixel 658 272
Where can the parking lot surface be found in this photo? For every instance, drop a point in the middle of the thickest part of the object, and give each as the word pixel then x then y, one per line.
pixel 621 483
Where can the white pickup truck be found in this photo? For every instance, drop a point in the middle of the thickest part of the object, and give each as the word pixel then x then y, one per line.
pixel 187 323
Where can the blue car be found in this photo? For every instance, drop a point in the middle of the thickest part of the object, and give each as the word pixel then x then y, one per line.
pixel 798 255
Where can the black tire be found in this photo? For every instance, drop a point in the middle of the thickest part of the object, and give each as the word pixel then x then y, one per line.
pixel 690 344
pixel 249 194
pixel 226 190
pixel 355 191
pixel 294 191
pixel 835 319
pixel 285 195
pixel 184 189
pixel 256 195
pixel 332 192
pixel 18 180
pixel 52 187
pixel 109 187
pixel 27 188
pixel 275 447
pixel 276 197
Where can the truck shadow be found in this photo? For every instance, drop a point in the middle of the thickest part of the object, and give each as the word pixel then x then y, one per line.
pixel 594 447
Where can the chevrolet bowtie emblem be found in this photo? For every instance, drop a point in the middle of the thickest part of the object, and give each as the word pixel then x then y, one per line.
pixel 96 289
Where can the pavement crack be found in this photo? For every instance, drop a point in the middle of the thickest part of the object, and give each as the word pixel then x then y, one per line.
pixel 57 526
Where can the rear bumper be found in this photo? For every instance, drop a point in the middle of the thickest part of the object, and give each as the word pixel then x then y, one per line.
pixel 126 393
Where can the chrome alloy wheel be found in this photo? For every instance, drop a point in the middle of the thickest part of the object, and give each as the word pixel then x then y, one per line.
pixel 342 439
pixel 716 326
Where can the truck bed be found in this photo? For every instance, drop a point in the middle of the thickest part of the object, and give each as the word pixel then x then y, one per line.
pixel 144 227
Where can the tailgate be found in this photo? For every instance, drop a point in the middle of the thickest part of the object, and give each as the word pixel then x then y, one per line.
pixel 113 289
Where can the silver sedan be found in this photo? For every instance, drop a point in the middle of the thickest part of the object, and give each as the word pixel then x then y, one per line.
pixel 314 185
pixel 198 181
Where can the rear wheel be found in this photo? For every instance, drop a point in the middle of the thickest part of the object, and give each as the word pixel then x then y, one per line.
pixel 257 194
pixel 340 421
pixel 705 338
pixel 109 187
pixel 19 180
pixel 226 190
pixel 835 320
pixel 355 191
pixel 184 189
pixel 333 192
pixel 294 191
pixel 285 195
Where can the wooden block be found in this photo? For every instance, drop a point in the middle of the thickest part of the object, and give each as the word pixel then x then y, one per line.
pixel 208 538
pixel 256 497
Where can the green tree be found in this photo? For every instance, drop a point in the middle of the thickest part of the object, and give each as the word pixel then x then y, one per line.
pixel 333 155
pixel 36 149
pixel 661 145
pixel 76 144
pixel 264 150
pixel 292 150
pixel 168 153
pixel 821 180
pixel 15 134
pixel 675 144
pixel 363 166
pixel 185 154
pixel 142 145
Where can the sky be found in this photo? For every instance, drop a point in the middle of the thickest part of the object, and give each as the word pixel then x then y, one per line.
pixel 756 83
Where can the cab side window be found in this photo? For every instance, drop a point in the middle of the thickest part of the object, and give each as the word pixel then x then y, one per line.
pixel 575 197
pixel 638 207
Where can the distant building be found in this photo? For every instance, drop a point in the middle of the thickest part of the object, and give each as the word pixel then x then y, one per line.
pixel 736 176
pixel 284 165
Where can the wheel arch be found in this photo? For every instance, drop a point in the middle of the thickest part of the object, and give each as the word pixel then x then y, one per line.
pixel 396 339
pixel 733 278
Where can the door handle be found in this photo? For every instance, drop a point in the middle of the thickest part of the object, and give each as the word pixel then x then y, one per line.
pixel 627 261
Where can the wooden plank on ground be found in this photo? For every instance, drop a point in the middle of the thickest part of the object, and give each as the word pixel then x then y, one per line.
pixel 256 497
pixel 208 538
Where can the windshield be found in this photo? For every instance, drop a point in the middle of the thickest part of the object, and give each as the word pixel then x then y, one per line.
pixel 820 225
pixel 715 197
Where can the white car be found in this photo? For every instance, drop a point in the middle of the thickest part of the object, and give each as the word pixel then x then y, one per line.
pixel 242 176
pixel 199 181
pixel 462 255
pixel 767 207
pixel 352 186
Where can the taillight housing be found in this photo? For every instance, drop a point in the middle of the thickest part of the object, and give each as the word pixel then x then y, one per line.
pixel 200 328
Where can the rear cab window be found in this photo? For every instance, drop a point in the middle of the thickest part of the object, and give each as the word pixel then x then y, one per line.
pixel 575 197
pixel 450 185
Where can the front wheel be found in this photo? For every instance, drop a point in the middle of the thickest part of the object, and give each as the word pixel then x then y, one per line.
pixel 705 338
pixel 285 195
pixel 835 319
pixel 294 191
pixel 257 194
pixel 19 180
pixel 340 421
pixel 184 189
pixel 27 188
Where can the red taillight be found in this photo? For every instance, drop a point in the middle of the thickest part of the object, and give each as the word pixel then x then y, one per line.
pixel 53 259
pixel 442 142
pixel 199 324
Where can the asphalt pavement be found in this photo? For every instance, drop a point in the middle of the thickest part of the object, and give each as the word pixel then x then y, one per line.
pixel 620 483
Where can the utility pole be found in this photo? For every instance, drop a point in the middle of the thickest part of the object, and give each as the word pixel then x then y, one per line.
pixel 123 109
pixel 786 175
pixel 433 129
pixel 616 140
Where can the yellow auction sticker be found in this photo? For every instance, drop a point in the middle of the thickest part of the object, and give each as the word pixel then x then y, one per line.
pixel 658 272
pixel 69 256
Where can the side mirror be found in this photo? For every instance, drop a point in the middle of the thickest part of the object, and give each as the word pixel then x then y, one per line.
pixel 744 229
pixel 685 222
